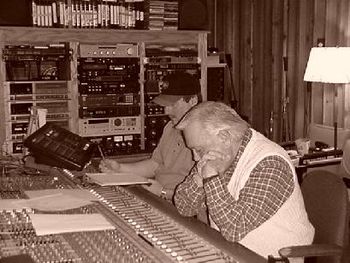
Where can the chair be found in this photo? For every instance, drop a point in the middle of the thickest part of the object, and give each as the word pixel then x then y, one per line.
pixel 326 202
pixel 344 169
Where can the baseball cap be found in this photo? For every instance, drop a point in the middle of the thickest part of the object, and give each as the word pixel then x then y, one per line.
pixel 175 86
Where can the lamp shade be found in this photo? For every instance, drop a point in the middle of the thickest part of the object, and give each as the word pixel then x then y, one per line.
pixel 328 65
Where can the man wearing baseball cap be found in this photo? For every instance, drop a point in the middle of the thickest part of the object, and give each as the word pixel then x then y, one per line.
pixel 171 160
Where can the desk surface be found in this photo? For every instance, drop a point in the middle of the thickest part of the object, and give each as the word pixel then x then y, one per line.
pixel 141 221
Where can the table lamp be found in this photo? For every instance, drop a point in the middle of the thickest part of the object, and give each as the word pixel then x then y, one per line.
pixel 329 65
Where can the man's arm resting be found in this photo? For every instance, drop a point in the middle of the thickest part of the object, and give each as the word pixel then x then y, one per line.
pixel 145 168
pixel 189 195
pixel 263 194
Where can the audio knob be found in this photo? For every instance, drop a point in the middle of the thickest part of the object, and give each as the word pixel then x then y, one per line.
pixel 130 51
pixel 118 122
pixel 152 144
pixel 164 120
pixel 152 122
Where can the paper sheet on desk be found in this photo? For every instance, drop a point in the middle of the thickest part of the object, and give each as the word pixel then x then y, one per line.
pixel 105 179
pixel 45 224
pixel 76 193
pixel 50 200
pixel 12 204
pixel 58 199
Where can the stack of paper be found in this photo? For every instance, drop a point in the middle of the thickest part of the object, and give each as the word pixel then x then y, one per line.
pixel 45 224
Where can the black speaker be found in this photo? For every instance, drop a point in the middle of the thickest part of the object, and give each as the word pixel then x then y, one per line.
pixel 193 15
pixel 16 13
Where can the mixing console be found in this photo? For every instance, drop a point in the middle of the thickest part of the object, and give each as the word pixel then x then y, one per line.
pixel 147 229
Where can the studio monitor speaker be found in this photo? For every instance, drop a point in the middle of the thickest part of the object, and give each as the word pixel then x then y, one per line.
pixel 193 15
pixel 15 13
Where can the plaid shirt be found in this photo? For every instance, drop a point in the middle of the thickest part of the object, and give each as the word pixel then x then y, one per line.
pixel 268 187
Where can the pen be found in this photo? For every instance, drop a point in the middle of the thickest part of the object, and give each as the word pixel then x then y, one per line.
pixel 146 240
pixel 100 150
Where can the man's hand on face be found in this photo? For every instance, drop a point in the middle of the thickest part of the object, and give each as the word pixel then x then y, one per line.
pixel 211 164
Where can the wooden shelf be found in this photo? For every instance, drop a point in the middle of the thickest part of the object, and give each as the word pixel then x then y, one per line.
pixel 15 35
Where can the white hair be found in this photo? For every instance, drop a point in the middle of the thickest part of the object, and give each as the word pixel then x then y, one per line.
pixel 214 116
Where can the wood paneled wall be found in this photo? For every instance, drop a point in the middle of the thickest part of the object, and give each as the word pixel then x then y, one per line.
pixel 269 42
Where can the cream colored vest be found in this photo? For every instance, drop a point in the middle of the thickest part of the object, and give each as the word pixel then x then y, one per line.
pixel 290 225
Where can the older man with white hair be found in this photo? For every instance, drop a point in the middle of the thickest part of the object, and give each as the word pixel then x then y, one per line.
pixel 246 181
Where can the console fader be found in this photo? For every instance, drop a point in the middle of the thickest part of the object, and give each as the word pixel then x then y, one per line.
pixel 147 229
